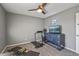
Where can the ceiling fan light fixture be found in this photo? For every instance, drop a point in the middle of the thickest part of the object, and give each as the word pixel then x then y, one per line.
pixel 39 10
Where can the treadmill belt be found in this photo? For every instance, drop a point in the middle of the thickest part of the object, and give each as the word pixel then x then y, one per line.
pixel 37 44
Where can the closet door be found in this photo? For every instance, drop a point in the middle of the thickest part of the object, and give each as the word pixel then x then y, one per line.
pixel 77 32
pixel 77 24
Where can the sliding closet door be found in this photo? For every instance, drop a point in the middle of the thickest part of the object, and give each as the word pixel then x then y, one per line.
pixel 77 32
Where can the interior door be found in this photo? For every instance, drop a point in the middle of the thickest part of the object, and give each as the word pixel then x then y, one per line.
pixel 77 44
pixel 77 32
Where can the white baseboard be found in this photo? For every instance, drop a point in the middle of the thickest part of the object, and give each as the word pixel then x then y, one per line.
pixel 77 52
pixel 70 49
pixel 17 44
pixel 13 45
pixel 3 50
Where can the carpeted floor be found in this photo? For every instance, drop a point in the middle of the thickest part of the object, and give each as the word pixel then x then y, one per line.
pixel 46 50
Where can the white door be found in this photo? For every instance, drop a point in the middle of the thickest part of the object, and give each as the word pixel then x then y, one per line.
pixel 77 44
pixel 77 32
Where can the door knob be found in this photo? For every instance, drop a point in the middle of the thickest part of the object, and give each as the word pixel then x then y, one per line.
pixel 77 24
pixel 77 35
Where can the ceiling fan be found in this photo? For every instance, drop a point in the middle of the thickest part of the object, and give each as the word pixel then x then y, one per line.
pixel 40 8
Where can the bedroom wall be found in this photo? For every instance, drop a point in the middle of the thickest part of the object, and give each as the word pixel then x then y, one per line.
pixel 2 29
pixel 21 28
pixel 67 20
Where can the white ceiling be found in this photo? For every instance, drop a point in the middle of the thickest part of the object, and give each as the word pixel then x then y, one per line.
pixel 22 8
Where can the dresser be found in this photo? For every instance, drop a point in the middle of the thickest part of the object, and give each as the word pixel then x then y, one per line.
pixel 56 40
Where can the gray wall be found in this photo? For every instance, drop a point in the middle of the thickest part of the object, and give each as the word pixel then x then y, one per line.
pixel 21 28
pixel 67 20
pixel 2 29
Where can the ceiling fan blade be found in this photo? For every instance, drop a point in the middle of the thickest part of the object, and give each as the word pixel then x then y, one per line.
pixel 32 10
pixel 43 12
pixel 44 4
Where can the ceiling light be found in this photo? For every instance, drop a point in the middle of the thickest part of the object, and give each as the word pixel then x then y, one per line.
pixel 39 10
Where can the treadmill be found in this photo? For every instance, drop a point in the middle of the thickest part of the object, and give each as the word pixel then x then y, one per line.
pixel 36 43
